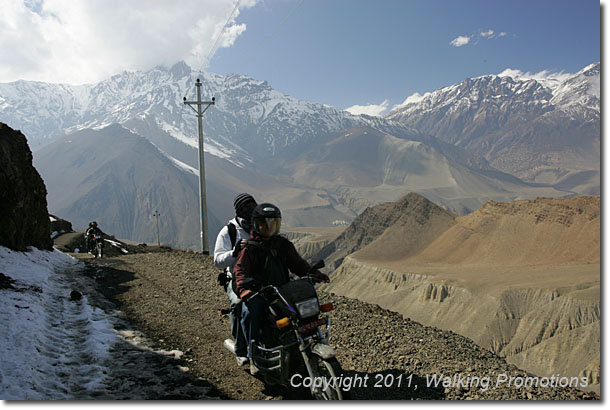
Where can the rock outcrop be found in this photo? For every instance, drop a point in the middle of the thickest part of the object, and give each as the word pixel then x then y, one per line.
pixel 59 226
pixel 24 219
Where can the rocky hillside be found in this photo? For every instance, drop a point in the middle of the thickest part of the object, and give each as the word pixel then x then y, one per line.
pixel 521 279
pixel 24 219
pixel 386 223
pixel 120 179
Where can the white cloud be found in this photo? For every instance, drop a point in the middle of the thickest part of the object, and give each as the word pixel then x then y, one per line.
pixel 413 98
pixel 372 109
pixel 86 41
pixel 476 37
pixel 542 76
pixel 460 41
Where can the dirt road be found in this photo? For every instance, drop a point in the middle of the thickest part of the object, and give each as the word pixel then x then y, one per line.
pixel 174 299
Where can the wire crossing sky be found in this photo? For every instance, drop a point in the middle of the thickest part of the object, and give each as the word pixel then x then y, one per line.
pixel 366 54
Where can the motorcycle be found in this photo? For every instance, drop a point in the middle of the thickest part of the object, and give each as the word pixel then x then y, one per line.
pixel 97 244
pixel 294 349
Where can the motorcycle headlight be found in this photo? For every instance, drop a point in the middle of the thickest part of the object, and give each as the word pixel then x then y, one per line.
pixel 308 308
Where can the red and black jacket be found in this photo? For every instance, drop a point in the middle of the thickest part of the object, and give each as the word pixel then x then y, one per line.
pixel 267 262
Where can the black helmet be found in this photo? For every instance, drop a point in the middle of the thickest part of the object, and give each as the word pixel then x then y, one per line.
pixel 266 220
pixel 92 224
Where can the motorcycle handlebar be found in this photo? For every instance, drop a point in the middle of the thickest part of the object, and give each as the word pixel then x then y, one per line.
pixel 318 265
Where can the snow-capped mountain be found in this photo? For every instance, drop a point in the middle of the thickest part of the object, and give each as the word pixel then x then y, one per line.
pixel 539 130
pixel 250 120
pixel 317 163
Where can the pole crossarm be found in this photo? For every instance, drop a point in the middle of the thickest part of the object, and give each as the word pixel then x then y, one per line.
pixel 202 194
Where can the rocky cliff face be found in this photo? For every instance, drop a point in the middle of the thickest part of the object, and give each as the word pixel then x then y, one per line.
pixel 24 219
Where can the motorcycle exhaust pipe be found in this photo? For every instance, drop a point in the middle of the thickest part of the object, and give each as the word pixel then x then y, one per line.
pixel 229 344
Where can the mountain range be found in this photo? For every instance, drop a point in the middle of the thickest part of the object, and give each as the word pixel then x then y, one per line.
pixel 321 165
pixel 540 131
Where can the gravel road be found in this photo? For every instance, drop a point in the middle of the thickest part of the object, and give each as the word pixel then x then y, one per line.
pixel 173 298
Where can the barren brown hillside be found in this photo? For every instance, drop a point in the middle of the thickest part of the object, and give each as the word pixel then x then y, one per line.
pixel 533 232
pixel 521 278
pixel 389 231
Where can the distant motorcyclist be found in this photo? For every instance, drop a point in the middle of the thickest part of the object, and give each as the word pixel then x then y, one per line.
pixel 267 259
pixel 230 240
pixel 91 230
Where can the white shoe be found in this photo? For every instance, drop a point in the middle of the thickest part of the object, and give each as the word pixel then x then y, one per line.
pixel 242 360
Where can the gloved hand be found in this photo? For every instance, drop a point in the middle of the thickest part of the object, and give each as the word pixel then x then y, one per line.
pixel 251 284
pixel 322 277
pixel 246 295
pixel 239 245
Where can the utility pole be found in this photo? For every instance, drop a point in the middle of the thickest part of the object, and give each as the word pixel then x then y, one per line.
pixel 158 238
pixel 202 200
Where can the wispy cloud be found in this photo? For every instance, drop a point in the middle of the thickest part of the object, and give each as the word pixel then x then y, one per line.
pixel 475 38
pixel 372 109
pixel 460 41
pixel 412 99
pixel 86 41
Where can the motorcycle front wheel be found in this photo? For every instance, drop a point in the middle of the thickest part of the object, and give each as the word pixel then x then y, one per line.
pixel 328 369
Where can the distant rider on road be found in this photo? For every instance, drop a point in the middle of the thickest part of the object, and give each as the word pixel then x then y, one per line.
pixel 93 229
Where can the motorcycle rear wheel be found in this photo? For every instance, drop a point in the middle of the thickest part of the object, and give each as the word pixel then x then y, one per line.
pixel 329 369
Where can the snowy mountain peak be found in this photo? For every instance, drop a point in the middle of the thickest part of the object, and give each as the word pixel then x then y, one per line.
pixel 576 93
pixel 249 115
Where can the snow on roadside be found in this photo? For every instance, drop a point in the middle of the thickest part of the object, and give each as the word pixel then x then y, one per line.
pixel 52 347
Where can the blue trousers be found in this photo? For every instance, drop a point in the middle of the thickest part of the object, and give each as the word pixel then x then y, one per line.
pixel 252 314
pixel 241 347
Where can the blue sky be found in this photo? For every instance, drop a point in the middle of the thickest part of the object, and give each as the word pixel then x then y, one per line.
pixel 346 52
pixel 337 52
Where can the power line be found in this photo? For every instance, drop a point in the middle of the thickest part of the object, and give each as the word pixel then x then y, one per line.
pixel 214 46
pixel 270 37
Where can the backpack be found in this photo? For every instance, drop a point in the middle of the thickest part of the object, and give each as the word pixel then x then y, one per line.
pixel 232 233
pixel 223 277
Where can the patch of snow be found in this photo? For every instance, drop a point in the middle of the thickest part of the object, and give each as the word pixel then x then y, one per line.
pixel 181 165
pixel 178 134
pixel 116 245
pixel 51 345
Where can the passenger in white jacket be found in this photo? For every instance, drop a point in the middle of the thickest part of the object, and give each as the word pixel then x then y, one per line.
pixel 229 242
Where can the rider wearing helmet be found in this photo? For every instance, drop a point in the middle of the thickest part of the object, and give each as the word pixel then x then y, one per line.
pixel 267 259
pixel 93 229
